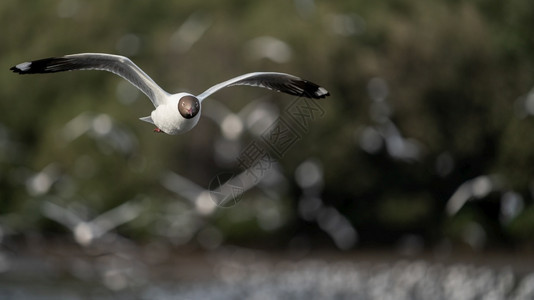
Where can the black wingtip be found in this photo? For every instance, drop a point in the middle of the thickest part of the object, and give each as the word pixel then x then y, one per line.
pixel 46 65
pixel 22 68
pixel 15 69
pixel 312 90
pixel 321 93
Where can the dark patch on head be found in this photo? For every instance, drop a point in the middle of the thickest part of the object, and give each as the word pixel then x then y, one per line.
pixel 188 106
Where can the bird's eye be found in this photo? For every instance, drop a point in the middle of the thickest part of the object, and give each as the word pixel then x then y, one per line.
pixel 188 106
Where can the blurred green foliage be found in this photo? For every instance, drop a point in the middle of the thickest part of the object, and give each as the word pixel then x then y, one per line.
pixel 458 77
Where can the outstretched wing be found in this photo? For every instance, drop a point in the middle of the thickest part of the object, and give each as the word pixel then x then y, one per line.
pixel 279 82
pixel 116 64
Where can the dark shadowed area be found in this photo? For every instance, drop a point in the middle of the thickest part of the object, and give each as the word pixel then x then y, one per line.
pixel 413 180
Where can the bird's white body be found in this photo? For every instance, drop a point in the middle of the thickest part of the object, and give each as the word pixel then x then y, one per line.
pixel 166 118
pixel 173 113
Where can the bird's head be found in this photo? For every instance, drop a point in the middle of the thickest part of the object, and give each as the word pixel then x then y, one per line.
pixel 188 106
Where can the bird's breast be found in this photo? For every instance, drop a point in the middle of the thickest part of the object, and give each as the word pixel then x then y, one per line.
pixel 168 119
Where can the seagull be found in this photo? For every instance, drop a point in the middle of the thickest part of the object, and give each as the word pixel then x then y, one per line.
pixel 173 113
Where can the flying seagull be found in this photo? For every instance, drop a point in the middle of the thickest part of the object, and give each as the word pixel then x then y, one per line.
pixel 174 113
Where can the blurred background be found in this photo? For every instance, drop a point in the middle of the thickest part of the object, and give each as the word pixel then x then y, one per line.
pixel 419 165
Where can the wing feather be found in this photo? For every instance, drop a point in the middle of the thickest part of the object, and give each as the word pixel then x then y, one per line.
pixel 119 65
pixel 279 82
